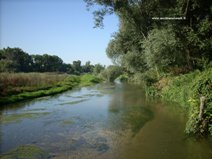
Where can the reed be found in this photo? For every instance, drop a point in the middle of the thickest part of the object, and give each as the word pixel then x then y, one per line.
pixel 16 87
pixel 14 83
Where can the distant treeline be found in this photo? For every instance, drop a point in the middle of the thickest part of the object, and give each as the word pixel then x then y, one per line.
pixel 16 60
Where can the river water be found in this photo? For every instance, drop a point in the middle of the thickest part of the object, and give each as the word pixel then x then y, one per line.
pixel 102 122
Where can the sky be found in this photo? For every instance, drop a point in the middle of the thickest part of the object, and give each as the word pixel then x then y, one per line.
pixel 56 27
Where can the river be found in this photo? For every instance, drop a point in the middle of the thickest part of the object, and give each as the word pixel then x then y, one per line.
pixel 103 122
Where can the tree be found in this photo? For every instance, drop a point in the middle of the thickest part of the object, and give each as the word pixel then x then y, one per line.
pixel 51 63
pixel 47 63
pixel 134 62
pixel 162 49
pixel 98 68
pixel 18 59
pixel 77 67
pixel 136 23
pixel 38 65
pixel 6 66
pixel 125 49
pixel 65 68
pixel 87 68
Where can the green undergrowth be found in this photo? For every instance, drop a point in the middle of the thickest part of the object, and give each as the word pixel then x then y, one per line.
pixel 186 89
pixel 66 84
pixel 89 79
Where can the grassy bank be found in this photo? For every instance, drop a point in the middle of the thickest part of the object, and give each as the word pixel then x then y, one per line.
pixel 16 87
pixel 188 90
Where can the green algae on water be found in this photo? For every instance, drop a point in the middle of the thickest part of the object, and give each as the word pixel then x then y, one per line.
pixel 26 152
pixel 74 102
pixel 19 117
pixel 67 122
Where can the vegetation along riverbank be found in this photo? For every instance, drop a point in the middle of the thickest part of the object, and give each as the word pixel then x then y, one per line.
pixel 22 86
pixel 193 92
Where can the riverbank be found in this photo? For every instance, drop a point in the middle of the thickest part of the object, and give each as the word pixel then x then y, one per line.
pixel 17 87
pixel 189 90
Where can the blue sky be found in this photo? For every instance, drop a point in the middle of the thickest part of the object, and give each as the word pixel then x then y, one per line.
pixel 56 27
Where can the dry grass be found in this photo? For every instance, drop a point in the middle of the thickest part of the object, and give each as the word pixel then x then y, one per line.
pixel 17 87
pixel 13 83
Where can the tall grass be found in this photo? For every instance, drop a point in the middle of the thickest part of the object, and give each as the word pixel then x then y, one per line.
pixel 14 83
pixel 21 86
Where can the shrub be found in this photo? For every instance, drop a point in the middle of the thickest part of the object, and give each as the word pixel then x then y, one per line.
pixel 187 90
pixel 202 86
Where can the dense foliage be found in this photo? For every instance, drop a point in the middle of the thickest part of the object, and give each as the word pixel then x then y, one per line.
pixel 150 48
pixel 111 73
pixel 143 41
pixel 187 90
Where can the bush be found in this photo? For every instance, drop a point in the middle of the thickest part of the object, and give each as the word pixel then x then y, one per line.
pixel 88 79
pixel 202 86
pixel 178 89
pixel 187 90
